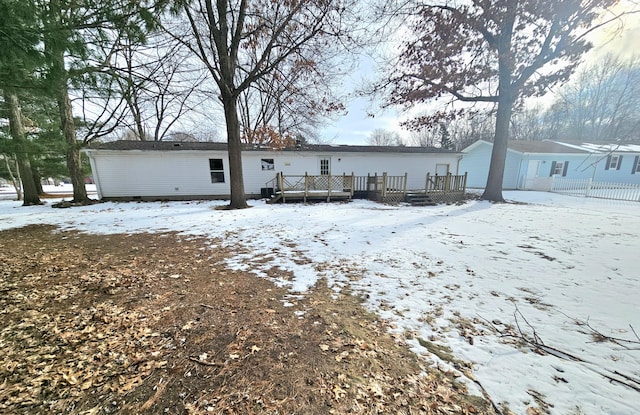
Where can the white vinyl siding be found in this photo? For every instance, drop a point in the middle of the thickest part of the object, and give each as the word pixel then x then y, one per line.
pixel 156 174
pixel 183 173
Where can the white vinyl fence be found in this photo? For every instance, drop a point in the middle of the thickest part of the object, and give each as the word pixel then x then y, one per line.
pixel 590 188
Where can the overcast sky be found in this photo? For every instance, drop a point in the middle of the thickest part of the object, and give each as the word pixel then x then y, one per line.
pixel 357 124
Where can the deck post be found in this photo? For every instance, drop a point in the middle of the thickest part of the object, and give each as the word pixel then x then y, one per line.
pixel 375 184
pixel 384 185
pixel 464 183
pixel 281 186
pixel 426 185
pixel 329 187
pixel 404 189
pixel 306 187
pixel 353 183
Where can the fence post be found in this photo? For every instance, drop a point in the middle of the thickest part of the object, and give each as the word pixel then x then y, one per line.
pixel 329 187
pixel 589 185
pixel 426 184
pixel 464 183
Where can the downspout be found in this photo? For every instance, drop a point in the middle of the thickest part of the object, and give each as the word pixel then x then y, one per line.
pixel 458 164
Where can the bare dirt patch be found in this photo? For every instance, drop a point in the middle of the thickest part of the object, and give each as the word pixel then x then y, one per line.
pixel 155 323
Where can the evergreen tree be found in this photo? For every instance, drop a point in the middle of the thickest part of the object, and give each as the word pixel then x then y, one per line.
pixel 20 57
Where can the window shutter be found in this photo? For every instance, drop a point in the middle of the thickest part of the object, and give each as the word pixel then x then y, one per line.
pixel 635 165
pixel 553 168
pixel 608 162
pixel 564 170
pixel 619 162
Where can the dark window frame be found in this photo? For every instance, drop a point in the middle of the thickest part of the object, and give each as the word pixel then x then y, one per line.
pixel 216 169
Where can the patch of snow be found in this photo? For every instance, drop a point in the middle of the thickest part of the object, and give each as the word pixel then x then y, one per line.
pixel 473 278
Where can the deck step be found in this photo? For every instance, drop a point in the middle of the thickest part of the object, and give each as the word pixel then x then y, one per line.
pixel 275 198
pixel 417 199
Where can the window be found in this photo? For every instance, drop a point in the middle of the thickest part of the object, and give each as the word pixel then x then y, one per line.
pixel 559 168
pixel 268 164
pixel 636 165
pixel 613 162
pixel 324 166
pixel 217 170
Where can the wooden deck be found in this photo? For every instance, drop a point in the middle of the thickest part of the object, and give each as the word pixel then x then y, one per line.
pixel 323 187
pixel 385 188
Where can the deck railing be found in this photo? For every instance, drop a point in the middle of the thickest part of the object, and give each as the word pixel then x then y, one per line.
pixel 446 184
pixel 309 186
pixel 383 188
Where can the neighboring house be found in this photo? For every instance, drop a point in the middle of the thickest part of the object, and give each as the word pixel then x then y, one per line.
pixel 200 170
pixel 529 164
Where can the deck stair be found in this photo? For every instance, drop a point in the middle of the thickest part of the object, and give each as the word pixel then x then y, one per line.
pixel 419 199
pixel 275 198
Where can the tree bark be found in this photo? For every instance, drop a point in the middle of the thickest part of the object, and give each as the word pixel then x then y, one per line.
pixel 15 181
pixel 493 189
pixel 507 94
pixel 69 131
pixel 29 189
pixel 37 179
pixel 234 145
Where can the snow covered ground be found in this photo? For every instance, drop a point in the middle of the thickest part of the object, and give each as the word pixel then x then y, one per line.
pixel 559 270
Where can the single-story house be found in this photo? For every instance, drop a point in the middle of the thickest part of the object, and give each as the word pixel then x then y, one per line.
pixel 529 164
pixel 151 170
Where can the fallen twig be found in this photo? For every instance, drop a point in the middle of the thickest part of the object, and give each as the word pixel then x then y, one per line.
pixel 204 362
pixel 536 343
pixel 536 338
pixel 634 332
pixel 617 340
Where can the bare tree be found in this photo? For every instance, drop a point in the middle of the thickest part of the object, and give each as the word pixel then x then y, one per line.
pixel 158 81
pixel 292 101
pixel 601 103
pixel 528 124
pixel 492 52
pixel 382 137
pixel 242 41
pixel 426 137
pixel 79 39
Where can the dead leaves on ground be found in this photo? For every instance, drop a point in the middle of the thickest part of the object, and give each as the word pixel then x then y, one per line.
pixel 155 324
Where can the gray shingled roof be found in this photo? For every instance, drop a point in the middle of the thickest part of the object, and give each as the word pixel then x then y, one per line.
pixel 549 147
pixel 324 148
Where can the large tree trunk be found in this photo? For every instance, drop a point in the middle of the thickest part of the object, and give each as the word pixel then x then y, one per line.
pixel 37 178
pixel 493 189
pixel 29 189
pixel 238 198
pixel 69 133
